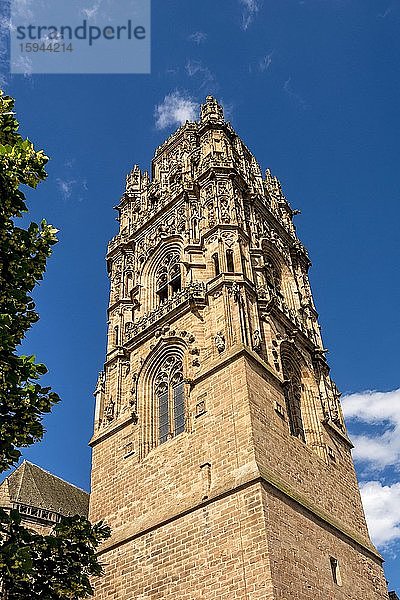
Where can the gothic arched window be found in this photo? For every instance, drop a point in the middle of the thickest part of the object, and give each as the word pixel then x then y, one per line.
pixel 170 400
pixel 168 277
pixel 230 265
pixel 272 276
pixel 292 391
pixel 215 259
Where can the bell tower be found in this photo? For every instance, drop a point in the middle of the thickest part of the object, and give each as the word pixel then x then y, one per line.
pixel 220 456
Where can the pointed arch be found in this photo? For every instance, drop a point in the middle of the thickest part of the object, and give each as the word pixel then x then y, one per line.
pixel 162 275
pixel 292 373
pixel 162 394
pixel 278 276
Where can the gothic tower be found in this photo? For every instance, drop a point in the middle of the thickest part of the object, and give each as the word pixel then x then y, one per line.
pixel 220 456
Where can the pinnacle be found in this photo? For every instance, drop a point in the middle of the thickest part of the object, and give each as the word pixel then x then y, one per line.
pixel 211 110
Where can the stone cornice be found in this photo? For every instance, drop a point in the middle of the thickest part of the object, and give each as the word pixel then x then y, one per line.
pixel 228 356
pixel 329 424
pixel 112 428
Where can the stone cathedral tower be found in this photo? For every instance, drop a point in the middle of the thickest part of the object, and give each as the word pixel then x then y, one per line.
pixel 220 455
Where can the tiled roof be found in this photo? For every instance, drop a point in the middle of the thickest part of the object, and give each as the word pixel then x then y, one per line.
pixel 33 486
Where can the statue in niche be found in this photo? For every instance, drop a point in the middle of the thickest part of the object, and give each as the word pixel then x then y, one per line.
pixel 272 276
pixel 238 206
pixel 219 340
pixel 109 411
pixel 100 385
pixel 256 341
pixel 225 210
pixel 211 213
pixel 116 281
pixel 133 405
pixel 132 180
pixel 235 292
pixel 180 222
pixel 195 225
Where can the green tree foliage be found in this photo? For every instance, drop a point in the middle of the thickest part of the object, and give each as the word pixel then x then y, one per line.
pixel 49 567
pixel 31 566
pixel 23 255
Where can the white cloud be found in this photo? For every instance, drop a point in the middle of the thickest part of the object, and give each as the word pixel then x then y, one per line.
pixel 381 449
pixel 66 187
pixel 288 88
pixel 23 8
pixel 262 65
pixel 197 37
pixel 175 109
pixel 265 62
pixel 49 38
pixel 195 68
pixel 5 27
pixel 90 12
pixel 377 449
pixel 382 510
pixel 250 9
pixel 387 12
pixel 69 163
pixel 24 65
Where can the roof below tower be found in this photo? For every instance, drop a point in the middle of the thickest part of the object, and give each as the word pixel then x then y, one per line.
pixel 32 486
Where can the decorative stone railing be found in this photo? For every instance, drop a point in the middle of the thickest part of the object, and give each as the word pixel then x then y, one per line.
pixel 276 301
pixel 195 292
pixel 38 513
pixel 214 161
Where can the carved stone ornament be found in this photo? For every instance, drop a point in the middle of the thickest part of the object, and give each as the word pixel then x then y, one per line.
pixel 256 341
pixel 229 238
pixel 235 292
pixel 133 404
pixel 100 385
pixel 109 411
pixel 219 340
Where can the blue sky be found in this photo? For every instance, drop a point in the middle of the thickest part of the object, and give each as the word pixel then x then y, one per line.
pixel 313 88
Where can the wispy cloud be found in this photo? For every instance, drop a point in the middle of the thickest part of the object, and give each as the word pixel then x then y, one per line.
pixel 386 12
pixel 90 12
pixel 69 163
pixel 176 108
pixel 265 62
pixel 66 187
pixel 23 64
pixel 250 8
pixel 299 100
pixel 198 37
pixel 381 505
pixel 23 8
pixel 262 65
pixel 207 80
pixel 378 449
pixel 5 27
